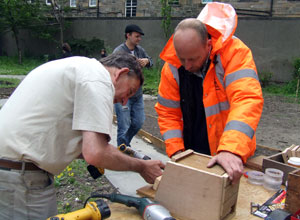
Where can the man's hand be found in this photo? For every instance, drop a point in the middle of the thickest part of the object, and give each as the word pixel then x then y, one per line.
pixel 143 62
pixel 151 170
pixel 231 163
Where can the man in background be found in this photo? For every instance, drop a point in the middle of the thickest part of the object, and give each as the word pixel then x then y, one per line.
pixel 131 116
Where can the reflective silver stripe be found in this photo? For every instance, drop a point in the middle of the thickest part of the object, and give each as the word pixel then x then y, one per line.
pixel 220 70
pixel 167 102
pixel 240 126
pixel 174 71
pixel 216 109
pixel 239 75
pixel 172 134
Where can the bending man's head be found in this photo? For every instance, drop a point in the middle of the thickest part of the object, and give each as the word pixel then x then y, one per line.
pixel 192 44
pixel 126 73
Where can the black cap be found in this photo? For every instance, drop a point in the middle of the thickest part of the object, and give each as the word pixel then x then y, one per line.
pixel 133 28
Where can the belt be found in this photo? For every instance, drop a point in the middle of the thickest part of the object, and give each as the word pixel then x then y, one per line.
pixel 14 165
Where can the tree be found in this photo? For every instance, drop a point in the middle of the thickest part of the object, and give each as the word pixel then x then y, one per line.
pixel 21 14
pixel 58 11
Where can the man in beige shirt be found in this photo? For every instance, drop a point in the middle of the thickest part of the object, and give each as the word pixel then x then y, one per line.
pixel 61 111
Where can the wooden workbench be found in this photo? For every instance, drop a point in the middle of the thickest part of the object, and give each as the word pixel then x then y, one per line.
pixel 247 193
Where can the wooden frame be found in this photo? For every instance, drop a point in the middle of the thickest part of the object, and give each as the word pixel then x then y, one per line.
pixel 210 193
pixel 276 161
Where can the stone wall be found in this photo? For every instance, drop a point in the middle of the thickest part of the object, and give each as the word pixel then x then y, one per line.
pixel 185 8
pixel 274 42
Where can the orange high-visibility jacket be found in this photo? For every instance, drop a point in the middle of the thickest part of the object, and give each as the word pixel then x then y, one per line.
pixel 232 94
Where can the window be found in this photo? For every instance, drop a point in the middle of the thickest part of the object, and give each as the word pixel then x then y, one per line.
pixel 206 1
pixel 48 2
pixel 130 8
pixel 173 2
pixel 92 3
pixel 73 3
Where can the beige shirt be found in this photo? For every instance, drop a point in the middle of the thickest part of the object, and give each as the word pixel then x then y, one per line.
pixel 42 120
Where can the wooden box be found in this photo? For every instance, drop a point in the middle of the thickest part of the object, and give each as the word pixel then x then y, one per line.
pixel 292 201
pixel 276 161
pixel 191 191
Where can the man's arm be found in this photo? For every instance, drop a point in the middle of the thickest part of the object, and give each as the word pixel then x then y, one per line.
pixel 99 153
pixel 169 112
pixel 244 94
pixel 144 59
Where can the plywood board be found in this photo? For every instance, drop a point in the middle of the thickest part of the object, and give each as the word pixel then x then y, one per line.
pixel 204 192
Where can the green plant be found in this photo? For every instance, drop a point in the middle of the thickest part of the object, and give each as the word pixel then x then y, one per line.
pixel 297 74
pixel 10 65
pixel 265 78
pixel 152 79
pixel 9 82
pixel 166 10
pixel 85 47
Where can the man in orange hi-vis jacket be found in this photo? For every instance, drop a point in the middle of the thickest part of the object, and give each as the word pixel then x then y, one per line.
pixel 210 98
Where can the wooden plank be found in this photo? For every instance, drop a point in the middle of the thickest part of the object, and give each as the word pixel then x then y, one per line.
pixel 156 182
pixel 204 192
pixel 200 162
pixel 146 191
pixel 255 163
pixel 182 155
pixel 292 203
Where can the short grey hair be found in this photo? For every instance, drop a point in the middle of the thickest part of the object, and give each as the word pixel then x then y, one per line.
pixel 195 24
pixel 123 59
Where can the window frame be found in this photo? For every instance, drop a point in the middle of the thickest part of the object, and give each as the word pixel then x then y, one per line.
pixel 206 1
pixel 48 2
pixel 91 5
pixel 130 8
pixel 73 3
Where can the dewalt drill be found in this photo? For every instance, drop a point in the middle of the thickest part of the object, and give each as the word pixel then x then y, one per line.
pixel 96 210
pixel 148 209
pixel 98 172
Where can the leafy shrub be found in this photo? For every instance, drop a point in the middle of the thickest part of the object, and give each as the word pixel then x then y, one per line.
pixel 86 48
pixel 297 68
pixel 265 78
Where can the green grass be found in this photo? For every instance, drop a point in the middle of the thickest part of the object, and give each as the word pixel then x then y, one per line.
pixel 288 90
pixel 10 65
pixel 152 79
pixel 9 82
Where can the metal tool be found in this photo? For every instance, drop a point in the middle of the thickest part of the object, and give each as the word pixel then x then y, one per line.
pixel 129 151
pixel 98 172
pixel 148 209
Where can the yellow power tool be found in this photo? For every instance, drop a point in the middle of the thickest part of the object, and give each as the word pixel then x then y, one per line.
pixel 96 210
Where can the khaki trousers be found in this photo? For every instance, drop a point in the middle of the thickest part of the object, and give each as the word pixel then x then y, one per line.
pixel 27 195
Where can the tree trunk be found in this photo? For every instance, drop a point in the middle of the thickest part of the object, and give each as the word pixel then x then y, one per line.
pixel 16 34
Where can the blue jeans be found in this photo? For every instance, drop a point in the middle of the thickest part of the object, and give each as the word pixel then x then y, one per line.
pixel 130 119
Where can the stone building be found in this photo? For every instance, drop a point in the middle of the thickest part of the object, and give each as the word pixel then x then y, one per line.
pixel 179 8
